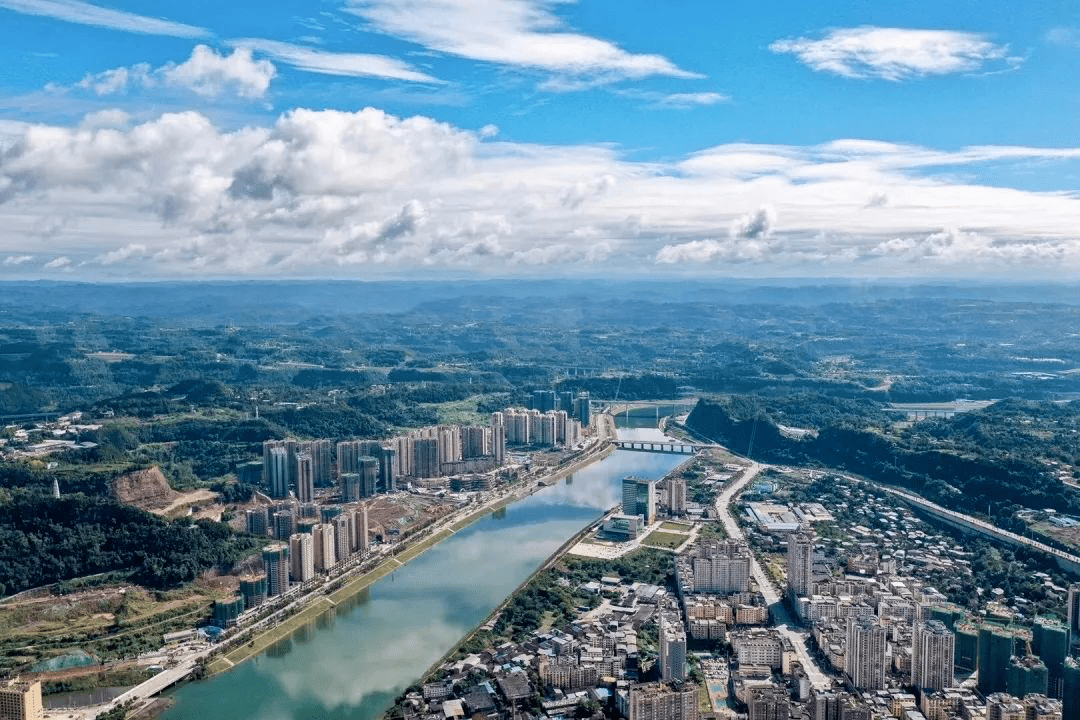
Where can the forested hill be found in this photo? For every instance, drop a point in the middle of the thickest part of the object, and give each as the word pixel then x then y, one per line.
pixel 45 540
pixel 964 476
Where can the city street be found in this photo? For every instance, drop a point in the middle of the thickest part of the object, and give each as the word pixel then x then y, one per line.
pixel 779 613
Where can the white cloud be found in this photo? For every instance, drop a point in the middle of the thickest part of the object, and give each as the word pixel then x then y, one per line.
pixel 1069 36
pixel 335 63
pixel 897 53
pixel 84 13
pixel 322 192
pixel 519 33
pixel 206 73
pixel 58 263
pixel 685 101
pixel 17 260
pixel 747 241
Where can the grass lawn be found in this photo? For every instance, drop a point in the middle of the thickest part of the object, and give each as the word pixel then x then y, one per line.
pixel 677 527
pixel 660 539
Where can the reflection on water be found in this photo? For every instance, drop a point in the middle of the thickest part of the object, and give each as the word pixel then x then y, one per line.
pixel 351 663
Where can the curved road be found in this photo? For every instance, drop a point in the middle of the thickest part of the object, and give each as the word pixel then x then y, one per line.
pixel 777 611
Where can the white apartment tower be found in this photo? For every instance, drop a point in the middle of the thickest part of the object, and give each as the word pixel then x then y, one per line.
pixel 864 656
pixel 932 655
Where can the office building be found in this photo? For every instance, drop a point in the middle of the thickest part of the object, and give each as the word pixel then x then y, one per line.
pixel 276 564
pixel 677 497
pixel 800 563
pixel 639 498
pixel 324 546
pixel 768 703
pixel 1026 676
pixel 672 650
pixel 257 521
pixel 864 654
pixel 21 700
pixel 658 701
pixel 305 478
pixel 932 656
pixel 302 557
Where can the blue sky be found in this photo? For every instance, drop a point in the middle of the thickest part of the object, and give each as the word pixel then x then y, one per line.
pixel 390 138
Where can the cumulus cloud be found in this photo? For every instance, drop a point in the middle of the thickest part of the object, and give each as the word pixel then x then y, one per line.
pixel 58 263
pixel 897 53
pixel 757 225
pixel 518 33
pixel 746 242
pixel 336 63
pixel 17 260
pixel 320 192
pixel 84 13
pixel 206 73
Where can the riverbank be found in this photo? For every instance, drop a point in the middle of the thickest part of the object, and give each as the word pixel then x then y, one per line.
pixel 319 604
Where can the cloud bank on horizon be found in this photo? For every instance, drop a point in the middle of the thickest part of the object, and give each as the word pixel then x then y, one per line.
pixel 593 154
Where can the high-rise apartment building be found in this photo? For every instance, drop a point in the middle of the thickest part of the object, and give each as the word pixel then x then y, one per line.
pixel 360 520
pixel 278 460
pixel 276 563
pixel 1026 676
pixel 1050 642
pixel 284 524
pixel 677 496
pixel 425 463
pixel 800 563
pixel 342 538
pixel 302 557
pixel 932 650
pixel 996 648
pixel 672 649
pixel 864 654
pixel 1072 613
pixel 768 703
pixel 658 701
pixel 325 547
pixel 720 567
pixel 21 700
pixel 1070 689
pixel 257 520
pixel 305 478
pixel 321 462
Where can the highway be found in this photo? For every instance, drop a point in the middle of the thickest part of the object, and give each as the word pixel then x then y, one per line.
pixel 778 612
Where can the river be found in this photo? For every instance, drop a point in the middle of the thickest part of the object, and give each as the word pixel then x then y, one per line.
pixel 353 661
